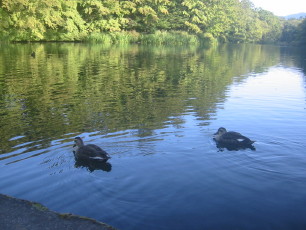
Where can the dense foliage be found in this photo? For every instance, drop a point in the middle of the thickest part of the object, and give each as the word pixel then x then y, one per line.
pixel 294 31
pixel 77 20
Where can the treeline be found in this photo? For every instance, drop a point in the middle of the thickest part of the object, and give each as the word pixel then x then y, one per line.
pixel 294 32
pixel 134 20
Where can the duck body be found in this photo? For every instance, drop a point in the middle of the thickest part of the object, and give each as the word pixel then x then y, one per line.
pixel 233 139
pixel 89 152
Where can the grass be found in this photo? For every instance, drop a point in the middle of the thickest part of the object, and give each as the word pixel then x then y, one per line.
pixel 114 38
pixel 168 38
pixel 157 38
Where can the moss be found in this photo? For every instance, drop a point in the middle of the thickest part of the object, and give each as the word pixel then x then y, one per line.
pixel 39 206
pixel 65 215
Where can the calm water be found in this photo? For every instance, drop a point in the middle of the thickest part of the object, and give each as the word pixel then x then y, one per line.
pixel 154 109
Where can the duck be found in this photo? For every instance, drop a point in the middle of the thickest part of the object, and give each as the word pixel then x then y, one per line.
pixel 33 54
pixel 89 152
pixel 230 138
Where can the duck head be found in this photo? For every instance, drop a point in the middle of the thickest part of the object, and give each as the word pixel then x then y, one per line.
pixel 219 133
pixel 78 142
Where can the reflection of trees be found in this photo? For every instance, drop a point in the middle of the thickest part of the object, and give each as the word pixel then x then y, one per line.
pixel 71 88
pixel 294 56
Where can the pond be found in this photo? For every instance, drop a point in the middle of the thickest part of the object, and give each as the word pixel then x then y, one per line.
pixel 155 110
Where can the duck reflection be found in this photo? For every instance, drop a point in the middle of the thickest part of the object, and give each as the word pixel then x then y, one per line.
pixel 232 140
pixel 93 165
pixel 232 147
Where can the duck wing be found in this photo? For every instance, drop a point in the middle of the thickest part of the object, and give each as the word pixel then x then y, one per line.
pixel 98 153
pixel 94 147
pixel 232 135
pixel 92 152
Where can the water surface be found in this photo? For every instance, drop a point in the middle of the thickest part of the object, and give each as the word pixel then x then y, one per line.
pixel 155 109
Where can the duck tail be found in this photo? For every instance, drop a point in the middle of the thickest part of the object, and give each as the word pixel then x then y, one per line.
pixel 250 142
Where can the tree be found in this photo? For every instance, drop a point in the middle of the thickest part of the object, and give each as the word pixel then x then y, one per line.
pixel 147 13
pixel 302 32
pixel 101 15
pixel 226 20
pixel 271 26
pixel 41 20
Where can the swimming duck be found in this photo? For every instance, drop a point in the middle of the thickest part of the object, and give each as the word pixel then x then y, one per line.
pixel 223 137
pixel 33 54
pixel 89 152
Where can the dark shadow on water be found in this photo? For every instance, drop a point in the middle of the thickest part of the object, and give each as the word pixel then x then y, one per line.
pixel 231 147
pixel 93 165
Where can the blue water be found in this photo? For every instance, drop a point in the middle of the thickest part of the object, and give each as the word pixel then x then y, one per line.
pixel 171 175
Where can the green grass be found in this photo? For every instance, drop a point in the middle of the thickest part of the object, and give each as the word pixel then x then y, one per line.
pixel 167 38
pixel 99 38
pixel 113 38
pixel 157 38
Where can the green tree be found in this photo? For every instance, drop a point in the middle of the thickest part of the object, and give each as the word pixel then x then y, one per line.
pixel 302 32
pixel 271 26
pixel 226 20
pixel 102 16
pixel 289 30
pixel 146 14
pixel 41 20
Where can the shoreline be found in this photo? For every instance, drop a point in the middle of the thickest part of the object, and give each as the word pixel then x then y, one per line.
pixel 27 215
